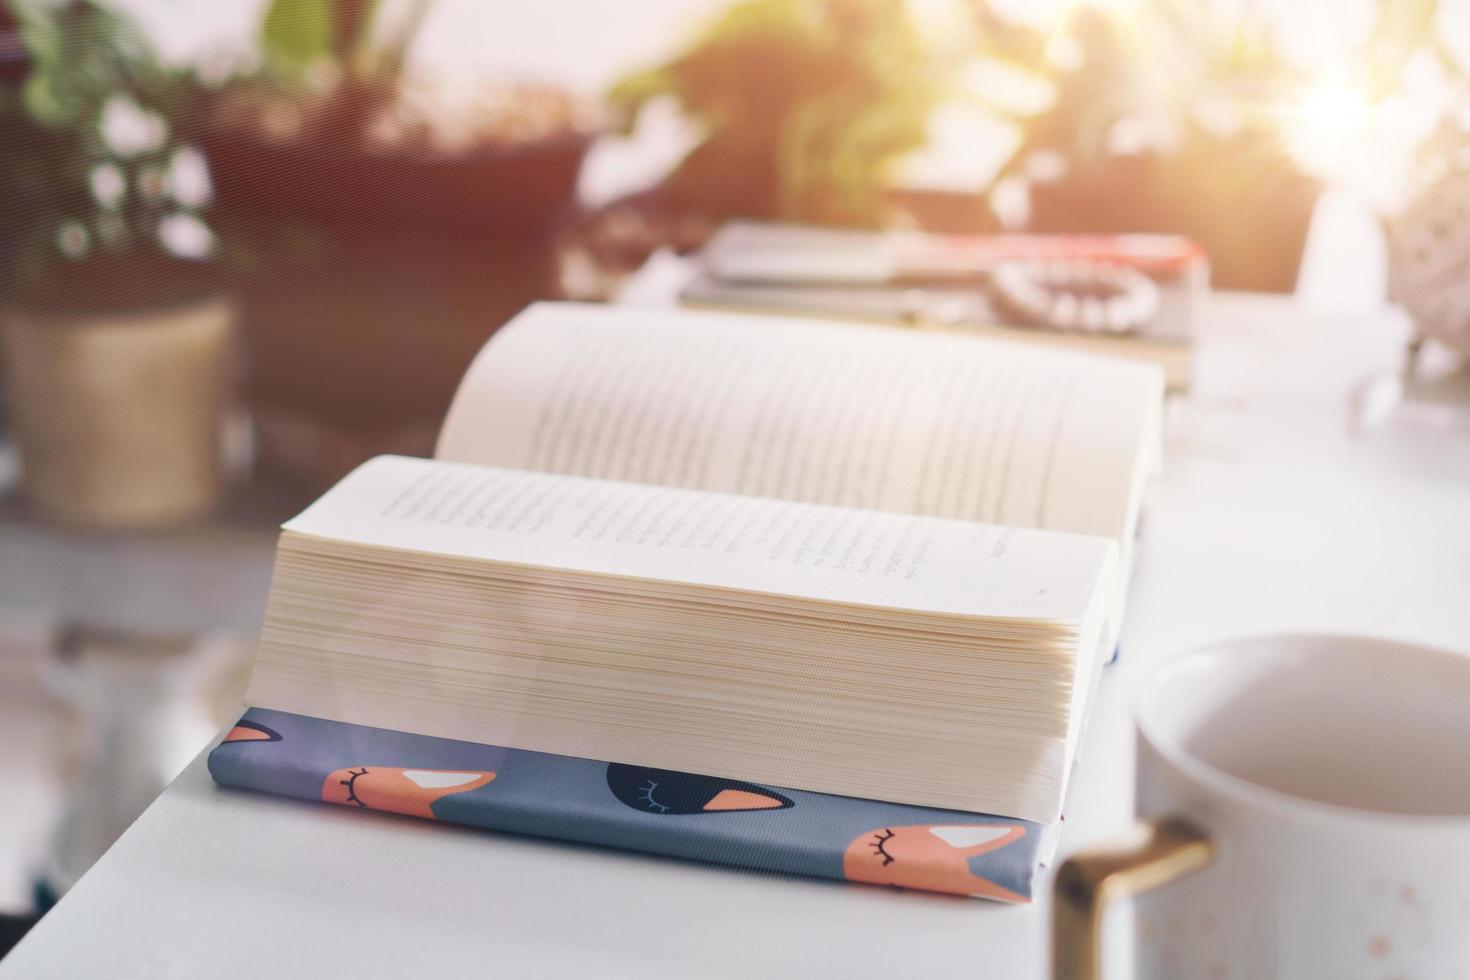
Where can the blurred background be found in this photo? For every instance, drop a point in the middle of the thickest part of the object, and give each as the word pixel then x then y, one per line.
pixel 245 245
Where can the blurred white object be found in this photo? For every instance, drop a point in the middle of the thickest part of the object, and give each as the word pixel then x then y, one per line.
pixel 1431 392
pixel 1076 297
pixel 1345 261
pixel 140 707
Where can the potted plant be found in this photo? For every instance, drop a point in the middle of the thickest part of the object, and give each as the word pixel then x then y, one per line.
pixel 1176 117
pixel 382 225
pixel 114 333
pixel 804 106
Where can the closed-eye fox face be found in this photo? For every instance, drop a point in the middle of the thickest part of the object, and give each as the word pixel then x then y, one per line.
pixel 669 793
pixel 392 788
pixel 410 791
pixel 933 858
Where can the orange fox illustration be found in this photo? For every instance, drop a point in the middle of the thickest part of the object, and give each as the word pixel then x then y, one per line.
pixel 933 858
pixel 410 791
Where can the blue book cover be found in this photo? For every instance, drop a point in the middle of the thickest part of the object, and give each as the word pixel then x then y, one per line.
pixel 680 815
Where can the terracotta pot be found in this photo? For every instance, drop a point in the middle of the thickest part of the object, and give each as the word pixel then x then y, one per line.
pixel 117 415
pixel 369 281
pixel 1251 210
pixel 512 191
pixel 372 325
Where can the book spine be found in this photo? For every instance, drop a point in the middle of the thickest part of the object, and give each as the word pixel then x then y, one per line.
pixel 679 815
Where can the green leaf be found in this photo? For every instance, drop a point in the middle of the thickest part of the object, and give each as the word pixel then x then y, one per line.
pixel 296 33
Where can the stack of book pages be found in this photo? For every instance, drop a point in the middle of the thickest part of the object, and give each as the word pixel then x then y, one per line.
pixel 892 657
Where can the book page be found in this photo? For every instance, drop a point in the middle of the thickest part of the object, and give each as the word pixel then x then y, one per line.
pixel 855 416
pixel 668 534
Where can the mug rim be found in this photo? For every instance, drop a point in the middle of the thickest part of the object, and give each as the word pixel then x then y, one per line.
pixel 1253 794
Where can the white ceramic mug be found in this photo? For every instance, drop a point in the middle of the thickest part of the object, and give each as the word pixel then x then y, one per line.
pixel 1306 814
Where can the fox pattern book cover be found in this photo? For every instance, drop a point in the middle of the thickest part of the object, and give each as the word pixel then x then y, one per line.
pixel 674 814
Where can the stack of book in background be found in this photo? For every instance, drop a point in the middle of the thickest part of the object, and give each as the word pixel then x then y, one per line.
pixel 1136 296
pixel 821 598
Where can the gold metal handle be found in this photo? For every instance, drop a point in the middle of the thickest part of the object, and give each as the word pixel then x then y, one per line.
pixel 1086 883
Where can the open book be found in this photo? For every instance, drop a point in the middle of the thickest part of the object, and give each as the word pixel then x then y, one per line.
pixel 834 558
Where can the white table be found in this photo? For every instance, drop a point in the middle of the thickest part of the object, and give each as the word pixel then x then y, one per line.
pixel 1270 516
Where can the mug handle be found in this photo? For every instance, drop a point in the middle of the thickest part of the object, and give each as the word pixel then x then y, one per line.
pixel 1169 849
